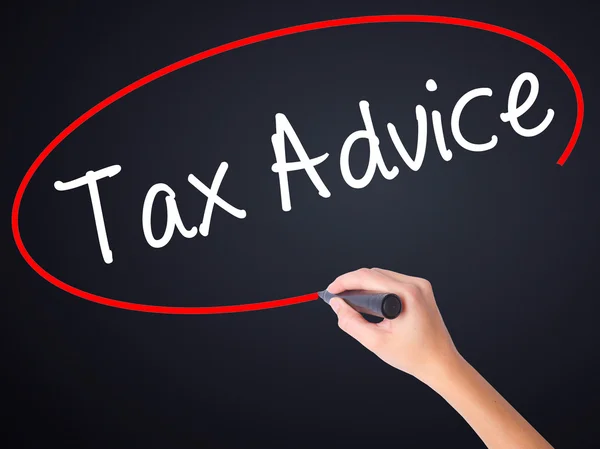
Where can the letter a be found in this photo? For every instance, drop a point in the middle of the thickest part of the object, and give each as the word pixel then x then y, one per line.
pixel 283 128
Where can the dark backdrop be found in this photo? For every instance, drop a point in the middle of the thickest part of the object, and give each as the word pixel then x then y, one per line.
pixel 508 238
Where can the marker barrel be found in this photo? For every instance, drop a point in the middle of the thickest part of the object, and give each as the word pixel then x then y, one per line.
pixel 383 305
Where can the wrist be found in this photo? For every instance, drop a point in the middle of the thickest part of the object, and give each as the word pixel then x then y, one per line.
pixel 446 370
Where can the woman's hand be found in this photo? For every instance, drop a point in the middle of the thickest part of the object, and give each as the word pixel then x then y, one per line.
pixel 417 341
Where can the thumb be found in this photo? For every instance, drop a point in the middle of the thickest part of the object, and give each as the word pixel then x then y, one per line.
pixel 352 322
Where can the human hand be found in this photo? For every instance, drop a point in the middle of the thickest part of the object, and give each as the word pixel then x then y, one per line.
pixel 417 341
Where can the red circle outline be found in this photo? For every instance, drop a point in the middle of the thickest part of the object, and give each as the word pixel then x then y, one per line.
pixel 231 46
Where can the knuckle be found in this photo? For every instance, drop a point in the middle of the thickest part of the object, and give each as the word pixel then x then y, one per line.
pixel 425 285
pixel 343 323
pixel 339 281
pixel 412 291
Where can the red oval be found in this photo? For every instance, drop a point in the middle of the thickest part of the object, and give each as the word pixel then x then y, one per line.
pixel 231 46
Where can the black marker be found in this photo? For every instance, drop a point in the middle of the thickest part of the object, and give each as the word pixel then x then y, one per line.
pixel 383 305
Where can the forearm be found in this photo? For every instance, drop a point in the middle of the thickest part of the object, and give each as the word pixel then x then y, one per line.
pixel 418 343
pixel 496 422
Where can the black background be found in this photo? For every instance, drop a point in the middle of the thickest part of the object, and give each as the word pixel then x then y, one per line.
pixel 508 238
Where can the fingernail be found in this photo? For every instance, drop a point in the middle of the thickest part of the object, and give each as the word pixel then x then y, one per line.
pixel 335 304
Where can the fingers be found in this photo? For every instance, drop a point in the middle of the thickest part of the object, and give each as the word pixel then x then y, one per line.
pixel 363 279
pixel 397 276
pixel 351 322
pixel 374 280
pixel 424 284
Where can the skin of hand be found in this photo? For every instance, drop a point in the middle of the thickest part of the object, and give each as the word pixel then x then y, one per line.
pixel 418 343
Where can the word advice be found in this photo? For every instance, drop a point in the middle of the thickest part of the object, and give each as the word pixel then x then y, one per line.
pixel 282 167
